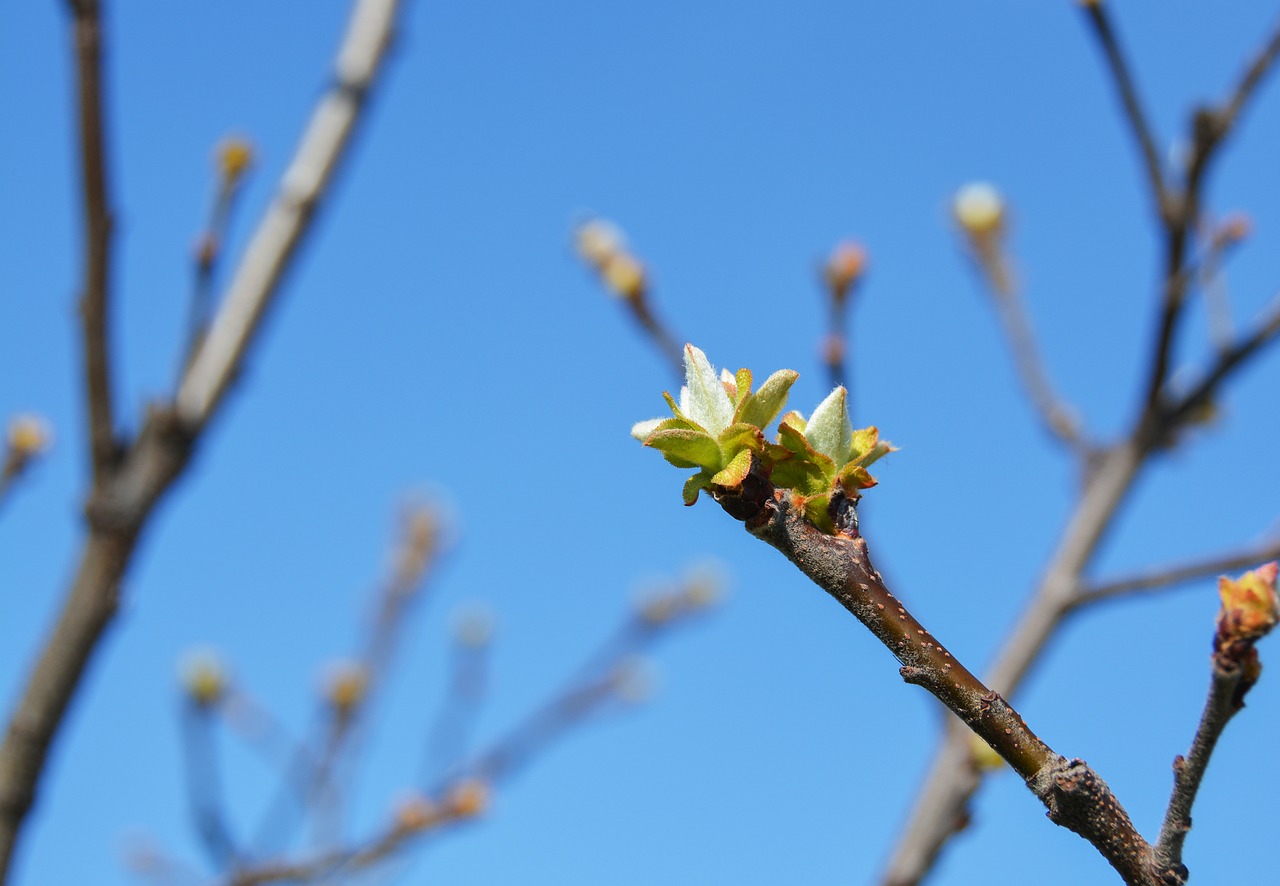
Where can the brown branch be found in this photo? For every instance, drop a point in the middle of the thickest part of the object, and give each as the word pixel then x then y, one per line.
pixel 943 798
pixel 840 564
pixel 1172 576
pixel 95 295
pixel 1099 19
pixel 123 500
pixel 1220 706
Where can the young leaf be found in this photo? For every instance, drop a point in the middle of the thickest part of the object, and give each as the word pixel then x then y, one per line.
pixel 703 399
pixel 829 430
pixel 764 405
pixel 686 448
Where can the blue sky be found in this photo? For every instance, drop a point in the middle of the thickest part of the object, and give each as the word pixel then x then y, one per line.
pixel 439 334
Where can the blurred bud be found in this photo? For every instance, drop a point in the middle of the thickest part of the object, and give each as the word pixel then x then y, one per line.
pixel 233 158
pixel 474 625
pixel 984 757
pixel 633 680
pixel 625 276
pixel 1250 607
pixel 704 586
pixel 844 268
pixel 415 813
pixel 204 677
pixel 658 608
pixel 1234 228
pixel 29 435
pixel 468 798
pixel 979 209
pixel 419 541
pixel 598 241
pixel 345 686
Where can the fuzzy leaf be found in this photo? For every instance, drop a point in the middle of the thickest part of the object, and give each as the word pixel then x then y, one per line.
pixel 642 429
pixel 687 448
pixel 703 398
pixel 743 384
pixel 829 430
pixel 694 485
pixel 677 411
pixel 764 405
pixel 854 476
pixel 737 437
pixel 735 472
pixel 793 418
pixel 807 471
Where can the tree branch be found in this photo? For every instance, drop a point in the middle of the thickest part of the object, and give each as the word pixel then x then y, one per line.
pixel 124 499
pixel 94 298
pixel 840 564
pixel 271 251
pixel 1100 21
pixel 1171 576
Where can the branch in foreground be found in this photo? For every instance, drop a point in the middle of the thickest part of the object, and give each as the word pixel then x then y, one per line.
pixel 1250 609
pixel 119 510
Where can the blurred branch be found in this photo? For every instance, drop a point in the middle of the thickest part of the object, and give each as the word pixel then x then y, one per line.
pixel 450 734
pixel 602 246
pixel 1209 128
pixel 204 785
pixel 123 499
pixel 980 212
pixel 273 246
pixel 1099 20
pixel 95 296
pixel 841 277
pixel 1172 576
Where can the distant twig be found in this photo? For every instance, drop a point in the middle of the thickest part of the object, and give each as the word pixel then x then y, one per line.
pixel 1099 19
pixel 1172 576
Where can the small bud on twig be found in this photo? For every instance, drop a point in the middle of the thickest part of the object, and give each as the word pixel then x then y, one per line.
pixel 204 677
pixel 345 686
pixel 468 799
pixel 845 267
pixel 979 209
pixel 1250 606
pixel 233 158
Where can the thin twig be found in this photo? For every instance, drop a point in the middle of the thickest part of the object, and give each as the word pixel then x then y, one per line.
pixel 1172 576
pixel 1128 92
pixel 204 784
pixel 95 296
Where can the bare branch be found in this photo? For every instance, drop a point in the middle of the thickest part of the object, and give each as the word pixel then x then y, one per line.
pixel 1172 576
pixel 840 564
pixel 124 498
pixel 1100 21
pixel 274 244
pixel 95 294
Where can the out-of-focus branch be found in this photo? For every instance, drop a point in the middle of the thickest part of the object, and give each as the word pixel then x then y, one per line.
pixel 980 213
pixel 449 738
pixel 95 294
pixel 602 246
pixel 274 245
pixel 204 785
pixel 1172 576
pixel 124 497
pixel 1209 129
pixel 1100 22
pixel 841 277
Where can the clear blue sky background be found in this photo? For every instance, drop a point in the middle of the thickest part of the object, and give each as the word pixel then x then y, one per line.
pixel 439 333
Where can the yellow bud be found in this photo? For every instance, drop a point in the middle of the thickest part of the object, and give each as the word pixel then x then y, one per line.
pixel 204 677
pixel 1234 228
pixel 234 157
pixel 624 274
pixel 29 435
pixel 658 608
pixel 979 209
pixel 1250 606
pixel 346 685
pixel 469 798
